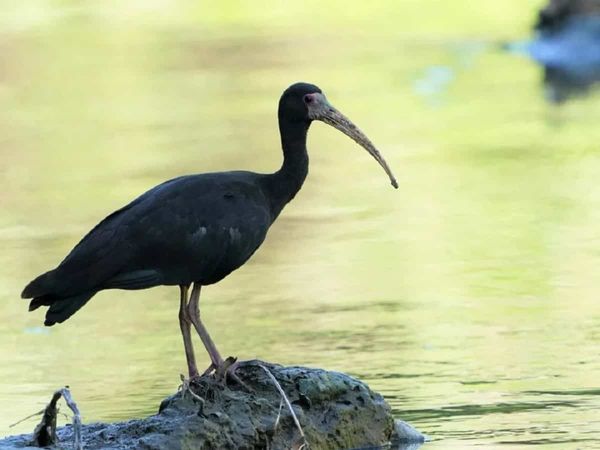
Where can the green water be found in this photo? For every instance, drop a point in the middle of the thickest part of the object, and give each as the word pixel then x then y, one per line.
pixel 468 297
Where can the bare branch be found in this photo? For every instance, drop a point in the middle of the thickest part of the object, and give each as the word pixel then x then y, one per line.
pixel 44 434
pixel 185 387
pixel 288 404
pixel 76 417
pixel 25 418
pixel 278 416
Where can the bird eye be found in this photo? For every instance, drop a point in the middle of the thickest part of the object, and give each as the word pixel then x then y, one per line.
pixel 308 98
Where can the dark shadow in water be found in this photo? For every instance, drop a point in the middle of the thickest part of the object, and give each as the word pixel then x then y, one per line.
pixel 547 441
pixel 478 410
pixel 394 446
pixel 571 392
pixel 570 56
pixel 500 435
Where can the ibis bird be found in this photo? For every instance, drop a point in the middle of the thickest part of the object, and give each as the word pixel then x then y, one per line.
pixel 193 230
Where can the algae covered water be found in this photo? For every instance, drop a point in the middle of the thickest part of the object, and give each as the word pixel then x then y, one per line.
pixel 468 297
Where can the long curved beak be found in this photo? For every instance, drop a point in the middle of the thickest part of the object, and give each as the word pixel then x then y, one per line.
pixel 323 111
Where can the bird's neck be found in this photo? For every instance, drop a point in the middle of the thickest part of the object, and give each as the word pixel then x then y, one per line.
pixel 283 185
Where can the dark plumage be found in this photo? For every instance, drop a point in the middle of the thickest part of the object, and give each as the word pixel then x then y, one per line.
pixel 192 229
pixel 195 228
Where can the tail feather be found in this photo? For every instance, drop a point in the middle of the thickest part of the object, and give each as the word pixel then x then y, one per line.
pixel 44 300
pixel 45 291
pixel 62 308
pixel 40 286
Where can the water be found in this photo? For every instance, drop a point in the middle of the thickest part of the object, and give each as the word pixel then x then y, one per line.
pixel 570 54
pixel 468 297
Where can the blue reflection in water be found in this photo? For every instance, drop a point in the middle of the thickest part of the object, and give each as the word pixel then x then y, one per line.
pixel 569 54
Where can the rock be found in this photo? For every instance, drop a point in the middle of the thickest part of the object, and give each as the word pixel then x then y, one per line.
pixel 406 434
pixel 335 411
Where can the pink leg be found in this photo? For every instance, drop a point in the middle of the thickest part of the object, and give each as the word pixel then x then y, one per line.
pixel 185 325
pixel 193 309
pixel 221 367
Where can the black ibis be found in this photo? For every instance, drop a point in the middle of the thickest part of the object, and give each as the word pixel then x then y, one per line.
pixel 193 230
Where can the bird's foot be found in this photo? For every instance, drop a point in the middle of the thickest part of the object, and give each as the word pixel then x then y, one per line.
pixel 228 368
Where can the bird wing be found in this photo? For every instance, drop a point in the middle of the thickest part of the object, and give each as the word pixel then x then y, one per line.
pixel 183 230
pixel 88 263
pixel 203 230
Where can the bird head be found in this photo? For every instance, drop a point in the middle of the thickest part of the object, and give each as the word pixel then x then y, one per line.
pixel 304 102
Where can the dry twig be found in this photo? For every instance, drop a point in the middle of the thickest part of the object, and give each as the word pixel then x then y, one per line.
pixel 284 398
pixel 185 387
pixel 25 418
pixel 278 416
pixel 45 432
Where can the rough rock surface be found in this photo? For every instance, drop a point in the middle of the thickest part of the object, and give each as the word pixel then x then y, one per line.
pixel 335 411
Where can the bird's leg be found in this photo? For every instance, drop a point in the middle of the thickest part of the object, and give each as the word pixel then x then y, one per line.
pixel 185 325
pixel 220 366
pixel 194 314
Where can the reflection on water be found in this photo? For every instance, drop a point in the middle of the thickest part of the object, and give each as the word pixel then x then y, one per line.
pixel 569 54
pixel 468 297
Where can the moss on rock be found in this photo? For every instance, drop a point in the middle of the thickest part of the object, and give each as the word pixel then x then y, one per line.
pixel 335 411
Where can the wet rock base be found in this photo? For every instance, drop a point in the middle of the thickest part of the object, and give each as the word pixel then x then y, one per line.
pixel 334 411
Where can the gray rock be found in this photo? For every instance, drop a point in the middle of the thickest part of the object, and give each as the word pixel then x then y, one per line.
pixel 407 434
pixel 335 411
